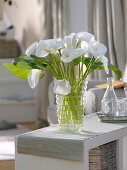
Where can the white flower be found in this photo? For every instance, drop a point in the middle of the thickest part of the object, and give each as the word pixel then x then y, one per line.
pixel 69 54
pixel 85 46
pixel 31 49
pixel 97 49
pixel 56 43
pixel 82 39
pixel 62 87
pixel 104 60
pixel 33 77
pixel 48 46
pixel 68 40
pixel 85 36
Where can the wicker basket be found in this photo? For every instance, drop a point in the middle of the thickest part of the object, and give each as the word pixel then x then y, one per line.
pixel 103 157
pixel 9 49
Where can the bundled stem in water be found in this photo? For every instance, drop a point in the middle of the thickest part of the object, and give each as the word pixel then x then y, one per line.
pixel 71 109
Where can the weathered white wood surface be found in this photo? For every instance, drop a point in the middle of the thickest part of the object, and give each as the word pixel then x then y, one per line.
pixel 95 134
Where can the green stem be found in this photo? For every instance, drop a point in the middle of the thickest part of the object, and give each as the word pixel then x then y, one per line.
pixel 52 72
pixel 64 69
pixel 57 65
pixel 89 70
pixel 81 69
pixel 72 70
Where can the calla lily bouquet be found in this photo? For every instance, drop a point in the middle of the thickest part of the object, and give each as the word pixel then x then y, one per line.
pixel 71 58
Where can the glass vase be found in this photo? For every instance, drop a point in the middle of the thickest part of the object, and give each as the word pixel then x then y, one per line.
pixel 71 109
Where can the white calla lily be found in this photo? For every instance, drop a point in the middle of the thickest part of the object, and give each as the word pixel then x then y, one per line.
pixel 85 36
pixel 43 48
pixel 68 40
pixel 82 39
pixel 104 60
pixel 85 46
pixel 97 49
pixel 31 49
pixel 62 87
pixel 33 77
pixel 69 54
pixel 48 46
pixel 56 43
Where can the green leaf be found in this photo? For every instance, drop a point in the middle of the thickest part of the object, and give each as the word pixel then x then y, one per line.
pixel 41 60
pixel 76 61
pixel 41 75
pixel 31 63
pixel 21 70
pixel 22 64
pixel 116 71
pixel 18 71
pixel 100 68
pixel 97 66
pixel 87 60
pixel 22 56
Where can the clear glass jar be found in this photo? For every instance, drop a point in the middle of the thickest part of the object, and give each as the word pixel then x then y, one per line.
pixel 109 103
pixel 122 106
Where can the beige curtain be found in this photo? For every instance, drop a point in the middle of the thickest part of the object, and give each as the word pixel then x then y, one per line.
pixel 52 27
pixel 105 19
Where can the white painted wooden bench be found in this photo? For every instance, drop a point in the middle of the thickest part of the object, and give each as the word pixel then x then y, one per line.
pixel 48 149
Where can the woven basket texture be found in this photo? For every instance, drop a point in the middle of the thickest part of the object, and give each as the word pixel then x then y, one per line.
pixel 103 157
pixel 9 49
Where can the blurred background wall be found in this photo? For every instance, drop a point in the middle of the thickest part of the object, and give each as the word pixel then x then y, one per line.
pixel 1 9
pixel 26 16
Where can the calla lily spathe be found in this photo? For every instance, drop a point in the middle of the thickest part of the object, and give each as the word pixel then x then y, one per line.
pixel 104 60
pixel 62 87
pixel 85 46
pixel 82 39
pixel 69 54
pixel 33 77
pixel 97 49
pixel 31 49
pixel 85 36
pixel 69 40
pixel 48 46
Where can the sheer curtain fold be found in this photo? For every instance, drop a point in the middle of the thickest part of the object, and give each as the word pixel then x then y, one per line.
pixel 105 19
pixel 118 33
pixel 52 27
